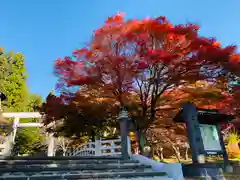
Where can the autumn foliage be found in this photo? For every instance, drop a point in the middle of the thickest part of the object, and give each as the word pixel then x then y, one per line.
pixel 232 104
pixel 146 57
pixel 85 114
pixel 236 101
pixel 149 66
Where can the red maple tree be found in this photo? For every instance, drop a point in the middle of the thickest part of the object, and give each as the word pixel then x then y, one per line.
pixel 146 57
pixel 232 103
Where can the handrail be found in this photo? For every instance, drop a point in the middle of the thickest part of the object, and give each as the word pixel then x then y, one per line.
pixel 109 141
pixel 79 148
pixel 99 147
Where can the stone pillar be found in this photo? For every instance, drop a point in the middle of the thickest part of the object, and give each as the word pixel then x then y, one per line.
pixel 227 166
pixel 190 116
pixel 7 140
pixel 50 145
pixel 129 145
pixel 8 146
pixel 98 151
pixel 123 120
pixel 15 126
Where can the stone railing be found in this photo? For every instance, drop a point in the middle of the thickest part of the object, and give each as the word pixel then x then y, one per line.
pixel 87 149
pixel 100 148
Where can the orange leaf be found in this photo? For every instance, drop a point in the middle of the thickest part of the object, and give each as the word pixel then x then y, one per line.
pixel 235 59
pixel 217 44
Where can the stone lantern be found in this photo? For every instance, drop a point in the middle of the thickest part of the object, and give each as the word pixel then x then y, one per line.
pixel 124 122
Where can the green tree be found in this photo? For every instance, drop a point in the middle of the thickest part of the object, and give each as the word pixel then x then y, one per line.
pixel 31 102
pixel 13 76
pixel 30 140
pixel 13 80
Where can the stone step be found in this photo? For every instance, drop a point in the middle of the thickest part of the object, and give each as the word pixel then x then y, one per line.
pixel 57 165
pixel 142 178
pixel 131 178
pixel 77 161
pixel 103 167
pixel 87 167
pixel 99 175
pixel 53 173
pixel 60 158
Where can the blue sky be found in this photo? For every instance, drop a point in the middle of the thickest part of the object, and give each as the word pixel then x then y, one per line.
pixel 44 30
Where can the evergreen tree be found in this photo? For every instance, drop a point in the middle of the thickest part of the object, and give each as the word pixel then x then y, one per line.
pixel 13 80
pixel 13 76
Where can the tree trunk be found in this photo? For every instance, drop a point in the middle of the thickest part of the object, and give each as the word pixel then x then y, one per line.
pixel 161 154
pixel 140 137
pixel 177 152
pixel 137 142
pixel 186 153
pixel 93 134
pixel 141 140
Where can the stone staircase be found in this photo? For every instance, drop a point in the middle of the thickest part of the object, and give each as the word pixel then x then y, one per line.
pixel 66 168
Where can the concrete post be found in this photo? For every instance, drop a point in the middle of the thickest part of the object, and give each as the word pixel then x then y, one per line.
pixel 112 145
pixel 98 151
pixel 129 145
pixel 227 166
pixel 15 126
pixel 50 145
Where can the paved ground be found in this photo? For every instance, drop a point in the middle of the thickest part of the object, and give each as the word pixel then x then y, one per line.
pixel 229 177
pixel 142 178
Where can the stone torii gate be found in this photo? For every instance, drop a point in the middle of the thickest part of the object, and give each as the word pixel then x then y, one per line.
pixel 16 124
